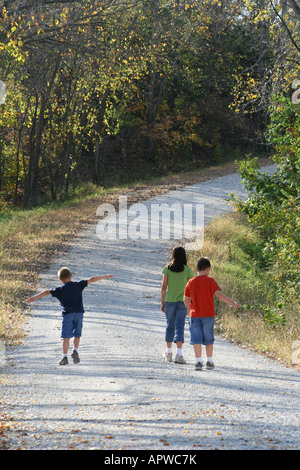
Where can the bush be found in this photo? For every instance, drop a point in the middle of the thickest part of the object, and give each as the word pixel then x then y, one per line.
pixel 273 204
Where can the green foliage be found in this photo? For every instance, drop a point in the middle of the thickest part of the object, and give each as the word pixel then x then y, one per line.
pixel 272 314
pixel 273 203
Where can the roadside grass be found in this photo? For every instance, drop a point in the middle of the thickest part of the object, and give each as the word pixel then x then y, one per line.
pixel 235 249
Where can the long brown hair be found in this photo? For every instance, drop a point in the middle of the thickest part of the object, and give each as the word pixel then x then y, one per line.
pixel 178 260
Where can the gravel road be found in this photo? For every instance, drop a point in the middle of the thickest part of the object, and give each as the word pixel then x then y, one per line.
pixel 122 395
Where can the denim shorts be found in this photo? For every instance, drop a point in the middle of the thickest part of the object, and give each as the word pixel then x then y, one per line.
pixel 175 316
pixel 72 325
pixel 202 330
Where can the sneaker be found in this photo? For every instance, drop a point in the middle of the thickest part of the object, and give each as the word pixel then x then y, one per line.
pixel 210 365
pixel 64 361
pixel 75 357
pixel 168 357
pixel 179 359
pixel 198 366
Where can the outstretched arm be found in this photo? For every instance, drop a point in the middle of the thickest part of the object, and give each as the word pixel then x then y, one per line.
pixel 99 278
pixel 38 296
pixel 226 299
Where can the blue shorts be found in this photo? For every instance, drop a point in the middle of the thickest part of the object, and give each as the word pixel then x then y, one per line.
pixel 202 330
pixel 72 325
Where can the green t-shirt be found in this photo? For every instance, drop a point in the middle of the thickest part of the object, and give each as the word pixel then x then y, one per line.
pixel 177 283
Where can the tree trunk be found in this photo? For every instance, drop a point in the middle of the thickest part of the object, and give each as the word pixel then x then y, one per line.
pixel 154 41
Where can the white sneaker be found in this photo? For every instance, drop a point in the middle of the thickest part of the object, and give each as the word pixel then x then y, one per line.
pixel 168 357
pixel 179 359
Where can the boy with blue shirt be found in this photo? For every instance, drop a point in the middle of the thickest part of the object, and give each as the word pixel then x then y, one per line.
pixel 70 298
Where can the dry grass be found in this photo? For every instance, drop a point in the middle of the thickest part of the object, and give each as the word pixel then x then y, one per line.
pixel 252 332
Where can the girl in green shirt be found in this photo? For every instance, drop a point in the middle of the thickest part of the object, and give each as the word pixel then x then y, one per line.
pixel 175 277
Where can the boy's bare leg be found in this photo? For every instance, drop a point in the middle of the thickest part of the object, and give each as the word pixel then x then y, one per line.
pixel 65 347
pixel 197 350
pixel 76 342
pixel 66 344
pixel 209 350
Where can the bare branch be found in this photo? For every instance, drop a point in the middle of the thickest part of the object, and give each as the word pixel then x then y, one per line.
pixel 285 25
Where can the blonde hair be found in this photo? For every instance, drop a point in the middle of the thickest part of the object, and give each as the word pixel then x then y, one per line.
pixel 64 274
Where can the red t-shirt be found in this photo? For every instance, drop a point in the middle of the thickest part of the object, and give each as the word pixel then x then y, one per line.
pixel 201 290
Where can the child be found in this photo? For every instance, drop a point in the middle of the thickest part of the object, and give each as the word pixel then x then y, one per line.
pixel 199 300
pixel 70 297
pixel 175 277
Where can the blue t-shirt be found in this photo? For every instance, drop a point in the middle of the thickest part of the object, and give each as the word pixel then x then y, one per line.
pixel 70 296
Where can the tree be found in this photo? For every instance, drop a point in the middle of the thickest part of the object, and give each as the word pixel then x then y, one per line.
pixel 273 203
pixel 109 90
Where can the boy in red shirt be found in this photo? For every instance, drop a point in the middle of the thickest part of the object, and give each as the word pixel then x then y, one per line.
pixel 199 300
